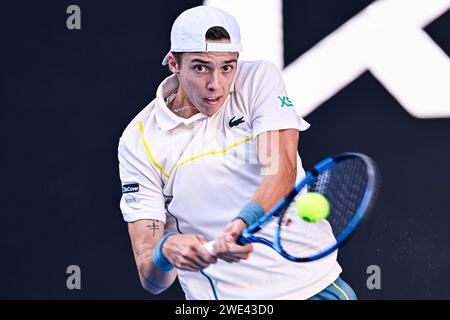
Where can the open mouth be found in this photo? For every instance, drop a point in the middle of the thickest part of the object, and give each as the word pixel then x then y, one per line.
pixel 213 101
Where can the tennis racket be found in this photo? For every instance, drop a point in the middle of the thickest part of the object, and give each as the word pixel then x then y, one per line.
pixel 349 181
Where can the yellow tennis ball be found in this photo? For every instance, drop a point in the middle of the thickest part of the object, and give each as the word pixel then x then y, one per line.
pixel 312 207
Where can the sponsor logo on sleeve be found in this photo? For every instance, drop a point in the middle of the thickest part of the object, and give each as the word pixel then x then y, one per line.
pixel 285 102
pixel 129 199
pixel 129 188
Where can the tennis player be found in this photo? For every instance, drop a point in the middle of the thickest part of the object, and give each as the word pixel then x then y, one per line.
pixel 212 153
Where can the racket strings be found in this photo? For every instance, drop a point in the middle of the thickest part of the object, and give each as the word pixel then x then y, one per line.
pixel 344 186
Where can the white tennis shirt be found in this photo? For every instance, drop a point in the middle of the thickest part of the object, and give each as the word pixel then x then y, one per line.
pixel 196 174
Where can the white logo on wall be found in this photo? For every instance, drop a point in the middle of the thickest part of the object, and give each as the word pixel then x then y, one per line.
pixel 386 38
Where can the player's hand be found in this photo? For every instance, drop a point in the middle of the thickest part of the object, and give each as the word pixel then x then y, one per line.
pixel 186 252
pixel 226 247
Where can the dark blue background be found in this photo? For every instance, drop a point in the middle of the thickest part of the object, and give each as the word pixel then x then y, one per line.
pixel 66 96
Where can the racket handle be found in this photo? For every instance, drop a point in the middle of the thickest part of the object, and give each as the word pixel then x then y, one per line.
pixel 209 246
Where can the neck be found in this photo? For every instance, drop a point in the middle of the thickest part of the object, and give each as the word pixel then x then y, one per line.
pixel 181 105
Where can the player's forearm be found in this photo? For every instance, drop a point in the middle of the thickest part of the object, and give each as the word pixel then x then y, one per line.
pixel 277 155
pixel 145 235
pixel 275 186
pixel 152 279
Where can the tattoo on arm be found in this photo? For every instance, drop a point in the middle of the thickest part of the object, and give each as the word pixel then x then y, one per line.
pixel 153 226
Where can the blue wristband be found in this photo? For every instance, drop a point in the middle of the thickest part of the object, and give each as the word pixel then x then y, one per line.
pixel 157 256
pixel 251 213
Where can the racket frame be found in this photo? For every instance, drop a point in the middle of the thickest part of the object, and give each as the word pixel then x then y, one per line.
pixel 278 210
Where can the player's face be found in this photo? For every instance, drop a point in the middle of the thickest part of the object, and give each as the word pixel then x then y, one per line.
pixel 206 78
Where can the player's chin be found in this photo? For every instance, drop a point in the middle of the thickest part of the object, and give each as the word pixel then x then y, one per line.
pixel 210 110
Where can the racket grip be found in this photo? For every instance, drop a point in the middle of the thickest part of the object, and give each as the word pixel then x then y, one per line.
pixel 242 240
pixel 209 246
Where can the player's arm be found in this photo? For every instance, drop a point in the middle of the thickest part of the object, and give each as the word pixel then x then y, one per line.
pixel 144 235
pixel 277 154
pixel 183 251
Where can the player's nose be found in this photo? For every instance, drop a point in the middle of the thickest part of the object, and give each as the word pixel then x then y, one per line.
pixel 213 83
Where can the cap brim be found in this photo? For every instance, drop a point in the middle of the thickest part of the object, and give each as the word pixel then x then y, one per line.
pixel 166 59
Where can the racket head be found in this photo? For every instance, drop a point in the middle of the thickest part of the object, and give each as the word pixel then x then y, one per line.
pixel 350 183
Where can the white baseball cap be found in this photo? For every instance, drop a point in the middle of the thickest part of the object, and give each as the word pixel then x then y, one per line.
pixel 189 30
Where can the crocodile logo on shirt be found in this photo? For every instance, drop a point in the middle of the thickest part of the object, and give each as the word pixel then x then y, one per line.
pixel 234 123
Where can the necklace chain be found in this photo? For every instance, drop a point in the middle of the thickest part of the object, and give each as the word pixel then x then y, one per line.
pixel 182 108
pixel 171 97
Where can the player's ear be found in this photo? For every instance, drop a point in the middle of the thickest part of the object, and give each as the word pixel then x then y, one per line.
pixel 173 64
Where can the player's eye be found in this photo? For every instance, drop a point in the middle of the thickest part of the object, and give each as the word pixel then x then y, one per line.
pixel 227 68
pixel 200 68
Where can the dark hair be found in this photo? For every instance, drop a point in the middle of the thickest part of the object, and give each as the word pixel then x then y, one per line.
pixel 217 33
pixel 213 33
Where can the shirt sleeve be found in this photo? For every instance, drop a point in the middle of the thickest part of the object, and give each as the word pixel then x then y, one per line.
pixel 272 109
pixel 142 196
